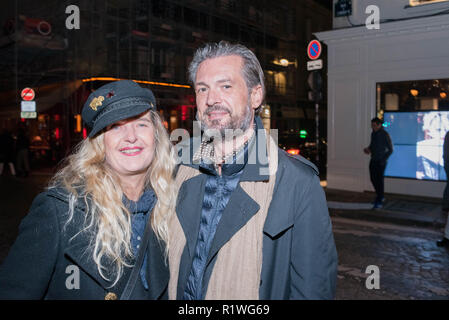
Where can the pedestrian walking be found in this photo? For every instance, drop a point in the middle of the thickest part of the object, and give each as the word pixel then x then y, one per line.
pixel 7 152
pixel 445 203
pixel 252 222
pixel 23 154
pixel 380 149
pixel 100 231
pixel 445 241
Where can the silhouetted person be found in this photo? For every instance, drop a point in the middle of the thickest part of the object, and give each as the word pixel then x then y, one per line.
pixel 380 149
pixel 22 147
pixel 445 204
pixel 7 151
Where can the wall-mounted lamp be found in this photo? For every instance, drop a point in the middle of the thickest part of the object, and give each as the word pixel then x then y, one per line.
pixel 414 92
pixel 285 62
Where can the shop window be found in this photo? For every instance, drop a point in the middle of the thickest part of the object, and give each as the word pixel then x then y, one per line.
pixel 416 115
pixel 280 81
pixel 413 95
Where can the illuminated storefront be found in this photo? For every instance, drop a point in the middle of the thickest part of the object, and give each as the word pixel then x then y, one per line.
pixel 399 71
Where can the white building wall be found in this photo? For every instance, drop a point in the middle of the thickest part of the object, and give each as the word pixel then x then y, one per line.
pixel 388 9
pixel 359 58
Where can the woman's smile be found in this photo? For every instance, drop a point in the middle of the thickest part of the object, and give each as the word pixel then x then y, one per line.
pixel 131 151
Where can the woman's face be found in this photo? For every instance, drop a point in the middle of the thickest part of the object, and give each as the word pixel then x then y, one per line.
pixel 130 145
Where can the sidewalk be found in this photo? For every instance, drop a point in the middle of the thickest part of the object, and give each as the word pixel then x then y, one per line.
pixel 399 209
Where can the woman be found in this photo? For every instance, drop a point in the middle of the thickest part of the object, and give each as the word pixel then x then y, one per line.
pixel 87 236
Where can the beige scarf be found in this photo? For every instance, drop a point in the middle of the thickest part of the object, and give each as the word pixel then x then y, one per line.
pixel 236 273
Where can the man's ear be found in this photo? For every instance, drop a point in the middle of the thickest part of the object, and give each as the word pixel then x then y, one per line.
pixel 256 97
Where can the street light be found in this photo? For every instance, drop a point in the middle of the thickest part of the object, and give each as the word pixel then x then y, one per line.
pixel 284 62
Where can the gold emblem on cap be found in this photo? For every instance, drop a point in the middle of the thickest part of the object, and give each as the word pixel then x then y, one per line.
pixel 110 296
pixel 96 102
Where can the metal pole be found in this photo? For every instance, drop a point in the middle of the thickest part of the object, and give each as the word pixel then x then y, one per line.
pixel 317 133
pixel 16 52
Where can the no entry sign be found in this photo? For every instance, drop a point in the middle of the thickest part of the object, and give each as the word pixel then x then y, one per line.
pixel 27 94
pixel 314 49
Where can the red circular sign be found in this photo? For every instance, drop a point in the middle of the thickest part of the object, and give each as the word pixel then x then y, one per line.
pixel 314 49
pixel 27 94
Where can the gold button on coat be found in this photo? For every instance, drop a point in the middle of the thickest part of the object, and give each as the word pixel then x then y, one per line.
pixel 110 296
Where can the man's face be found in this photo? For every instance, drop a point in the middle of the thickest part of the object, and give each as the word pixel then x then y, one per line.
pixel 222 96
pixel 376 126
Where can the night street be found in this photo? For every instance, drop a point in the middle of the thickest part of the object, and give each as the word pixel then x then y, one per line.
pixel 411 265
pixel 171 111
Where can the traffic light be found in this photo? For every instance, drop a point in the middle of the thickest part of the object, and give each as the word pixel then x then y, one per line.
pixel 303 134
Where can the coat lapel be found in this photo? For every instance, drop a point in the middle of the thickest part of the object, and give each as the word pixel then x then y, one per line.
pixel 188 208
pixel 79 253
pixel 157 271
pixel 241 207
pixel 278 219
pixel 79 248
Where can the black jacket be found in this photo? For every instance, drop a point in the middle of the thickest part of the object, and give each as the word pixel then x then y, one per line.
pixel 44 262
pixel 446 150
pixel 381 147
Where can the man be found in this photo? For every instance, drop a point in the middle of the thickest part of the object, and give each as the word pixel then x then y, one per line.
pixel 445 205
pixel 252 222
pixel 380 149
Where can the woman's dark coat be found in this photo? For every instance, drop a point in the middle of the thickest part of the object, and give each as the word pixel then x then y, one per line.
pixel 44 262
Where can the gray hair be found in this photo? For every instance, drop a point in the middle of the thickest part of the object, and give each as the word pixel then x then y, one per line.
pixel 252 71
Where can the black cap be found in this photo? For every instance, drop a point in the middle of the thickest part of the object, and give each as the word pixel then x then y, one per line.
pixel 115 101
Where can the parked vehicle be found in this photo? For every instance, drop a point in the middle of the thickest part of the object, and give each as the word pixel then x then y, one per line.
pixel 306 147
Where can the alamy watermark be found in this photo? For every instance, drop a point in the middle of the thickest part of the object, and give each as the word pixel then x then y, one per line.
pixel 73 20
pixel 72 282
pixel 373 20
pixel 258 152
pixel 373 280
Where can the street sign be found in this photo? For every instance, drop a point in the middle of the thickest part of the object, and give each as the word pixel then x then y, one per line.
pixel 27 94
pixel 28 115
pixel 343 8
pixel 314 65
pixel 28 106
pixel 314 49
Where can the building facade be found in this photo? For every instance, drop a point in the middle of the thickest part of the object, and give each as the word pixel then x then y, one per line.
pixel 151 42
pixel 389 72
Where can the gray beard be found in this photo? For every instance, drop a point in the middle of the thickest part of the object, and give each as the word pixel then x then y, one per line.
pixel 235 127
